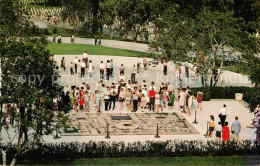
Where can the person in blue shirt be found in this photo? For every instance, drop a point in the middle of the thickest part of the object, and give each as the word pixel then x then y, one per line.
pixel 236 127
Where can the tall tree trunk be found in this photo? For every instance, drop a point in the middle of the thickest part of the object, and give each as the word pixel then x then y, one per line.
pixel 13 161
pixel 111 32
pixel 3 157
pixel 134 36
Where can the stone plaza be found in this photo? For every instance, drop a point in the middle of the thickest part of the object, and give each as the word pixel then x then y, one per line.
pixel 95 124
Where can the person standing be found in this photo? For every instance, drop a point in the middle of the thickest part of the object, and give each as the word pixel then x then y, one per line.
pixel 112 68
pixel 76 61
pixel 85 58
pixel 122 69
pixel 236 127
pixel 218 131
pixel 225 133
pixel 152 86
pixel 83 67
pixel 135 99
pixel 181 100
pixel 86 100
pixel 121 98
pixel 72 39
pixel 95 40
pixel 107 93
pixel 145 63
pixel 157 101
pixel 165 67
pixel 199 98
pixel 138 64
pixel 152 99
pixel 59 39
pixel 171 100
pixel 128 96
pixel 62 65
pixel 108 69
pixel 76 102
pixel 101 69
pixel 223 114
pixel 71 69
pixel 90 68
pixel 133 73
pixel 211 126
pixel 113 97
pixel 97 97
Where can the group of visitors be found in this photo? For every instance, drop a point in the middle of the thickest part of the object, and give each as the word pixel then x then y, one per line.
pixel 222 128
pixel 131 93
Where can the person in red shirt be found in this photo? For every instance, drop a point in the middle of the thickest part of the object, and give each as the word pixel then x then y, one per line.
pixel 225 132
pixel 81 104
pixel 152 98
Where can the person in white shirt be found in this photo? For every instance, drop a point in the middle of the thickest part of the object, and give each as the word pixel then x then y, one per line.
pixel 152 86
pixel 223 114
pixel 102 69
pixel 170 87
pixel 108 69
pixel 85 58
pixel 133 73
pixel 82 67
pixel 122 77
pixel 76 61
pixel 122 69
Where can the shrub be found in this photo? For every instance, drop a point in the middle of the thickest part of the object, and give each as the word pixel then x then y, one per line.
pixel 74 150
pixel 250 94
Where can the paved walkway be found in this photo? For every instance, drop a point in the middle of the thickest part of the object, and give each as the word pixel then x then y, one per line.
pixel 109 43
pixel 152 74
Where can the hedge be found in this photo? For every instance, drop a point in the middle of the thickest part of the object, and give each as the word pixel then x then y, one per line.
pixel 74 150
pixel 250 94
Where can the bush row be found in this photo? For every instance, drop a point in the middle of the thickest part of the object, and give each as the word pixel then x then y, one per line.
pixel 74 150
pixel 251 95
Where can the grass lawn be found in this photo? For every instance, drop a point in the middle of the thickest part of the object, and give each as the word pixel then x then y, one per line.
pixel 78 49
pixel 230 160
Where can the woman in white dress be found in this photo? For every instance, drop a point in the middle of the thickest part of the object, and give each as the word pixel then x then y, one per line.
pixel 157 101
pixel 90 68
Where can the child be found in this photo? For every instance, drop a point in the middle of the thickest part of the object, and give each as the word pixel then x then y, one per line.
pixel 86 100
pixel 232 136
pixel 161 101
pixel 81 104
pixel 143 102
pixel 157 101
pixel 218 131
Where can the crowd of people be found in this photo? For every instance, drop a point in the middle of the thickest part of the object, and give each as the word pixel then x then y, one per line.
pixel 51 16
pixel 132 94
pixel 136 96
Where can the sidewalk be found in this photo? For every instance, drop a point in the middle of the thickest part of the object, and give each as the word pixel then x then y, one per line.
pixel 108 43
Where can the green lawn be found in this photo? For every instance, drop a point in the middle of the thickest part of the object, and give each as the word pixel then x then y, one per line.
pixel 230 160
pixel 78 49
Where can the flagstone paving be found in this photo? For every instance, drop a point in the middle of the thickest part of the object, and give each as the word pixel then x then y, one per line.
pixel 95 124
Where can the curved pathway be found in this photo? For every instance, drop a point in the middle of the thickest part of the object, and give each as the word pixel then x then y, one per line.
pixel 108 43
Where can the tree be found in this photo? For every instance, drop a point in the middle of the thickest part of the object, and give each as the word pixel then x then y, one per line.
pixel 28 82
pixel 132 16
pixel 82 14
pixel 207 34
pixel 109 15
